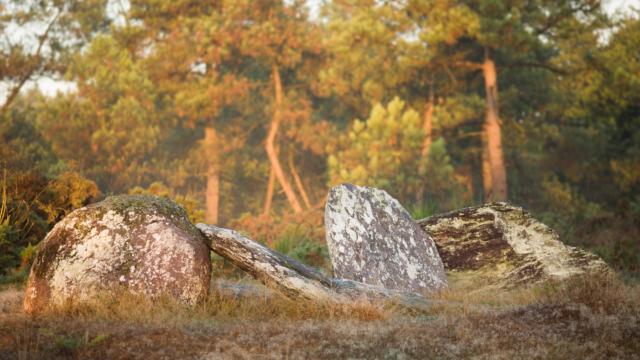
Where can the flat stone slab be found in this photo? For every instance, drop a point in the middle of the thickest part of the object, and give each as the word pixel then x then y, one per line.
pixel 502 244
pixel 374 240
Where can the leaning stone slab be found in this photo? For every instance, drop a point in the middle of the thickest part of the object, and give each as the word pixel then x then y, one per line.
pixel 296 280
pixel 373 239
pixel 143 244
pixel 503 245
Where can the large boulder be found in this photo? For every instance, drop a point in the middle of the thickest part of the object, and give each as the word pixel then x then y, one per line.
pixel 374 240
pixel 500 244
pixel 139 243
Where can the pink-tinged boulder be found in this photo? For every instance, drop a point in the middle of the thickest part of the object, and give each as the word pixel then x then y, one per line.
pixel 143 244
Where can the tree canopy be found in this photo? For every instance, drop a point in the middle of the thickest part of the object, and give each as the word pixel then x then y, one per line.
pixel 246 112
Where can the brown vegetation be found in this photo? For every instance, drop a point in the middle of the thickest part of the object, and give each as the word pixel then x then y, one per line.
pixel 581 318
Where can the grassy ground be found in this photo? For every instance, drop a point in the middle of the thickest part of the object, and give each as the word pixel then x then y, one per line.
pixel 585 318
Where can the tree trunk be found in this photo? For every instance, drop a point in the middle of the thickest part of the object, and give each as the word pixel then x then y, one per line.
pixel 270 144
pixel 493 131
pixel 427 125
pixel 213 175
pixel 487 184
pixel 271 186
pixel 294 279
pixel 298 182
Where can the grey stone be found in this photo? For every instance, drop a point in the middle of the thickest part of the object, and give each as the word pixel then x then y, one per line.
pixel 374 240
pixel 143 244
pixel 503 245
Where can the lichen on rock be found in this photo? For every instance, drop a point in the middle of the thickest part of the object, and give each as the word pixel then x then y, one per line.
pixel 503 245
pixel 140 243
pixel 374 240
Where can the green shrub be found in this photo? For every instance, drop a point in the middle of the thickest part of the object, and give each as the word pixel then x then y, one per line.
pixel 303 249
pixel 421 211
pixel 30 205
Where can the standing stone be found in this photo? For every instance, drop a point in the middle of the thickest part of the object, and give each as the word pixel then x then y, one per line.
pixel 140 243
pixel 374 240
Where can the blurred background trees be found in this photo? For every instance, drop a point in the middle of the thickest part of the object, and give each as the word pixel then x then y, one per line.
pixel 245 112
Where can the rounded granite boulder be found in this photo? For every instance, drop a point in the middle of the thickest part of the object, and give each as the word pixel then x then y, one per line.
pixel 143 244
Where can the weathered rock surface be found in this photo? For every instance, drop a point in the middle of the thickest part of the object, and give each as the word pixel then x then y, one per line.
pixel 144 244
pixel 373 239
pixel 503 245
pixel 296 280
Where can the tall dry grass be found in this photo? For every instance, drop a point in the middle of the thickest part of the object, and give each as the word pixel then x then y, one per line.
pixel 120 305
pixel 584 317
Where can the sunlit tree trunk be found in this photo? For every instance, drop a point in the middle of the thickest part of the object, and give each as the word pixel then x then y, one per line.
pixel 213 175
pixel 493 132
pixel 427 126
pixel 269 196
pixel 487 184
pixel 270 144
pixel 298 182
pixel 271 187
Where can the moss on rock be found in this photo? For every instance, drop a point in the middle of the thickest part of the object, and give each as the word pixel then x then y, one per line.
pixel 140 242
pixel 505 245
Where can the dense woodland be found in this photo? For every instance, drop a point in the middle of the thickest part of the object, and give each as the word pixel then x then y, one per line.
pixel 247 112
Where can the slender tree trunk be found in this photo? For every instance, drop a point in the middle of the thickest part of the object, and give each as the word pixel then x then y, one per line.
pixel 298 182
pixel 271 186
pixel 270 144
pixel 493 131
pixel 213 175
pixel 427 125
pixel 487 183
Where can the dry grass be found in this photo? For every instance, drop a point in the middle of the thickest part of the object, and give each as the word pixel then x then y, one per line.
pixel 126 307
pixel 582 318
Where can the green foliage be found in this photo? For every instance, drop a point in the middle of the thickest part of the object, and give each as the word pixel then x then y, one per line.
pixel 149 84
pixel 37 190
pixel 623 254
pixel 567 206
pixel 443 187
pixel 29 211
pixel 298 246
pixel 71 344
pixel 7 233
pixel 383 151
pixel 67 192
pixel 421 211
pixel 386 151
pixel 114 109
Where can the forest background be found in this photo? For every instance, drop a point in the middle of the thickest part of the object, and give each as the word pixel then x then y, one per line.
pixel 247 112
